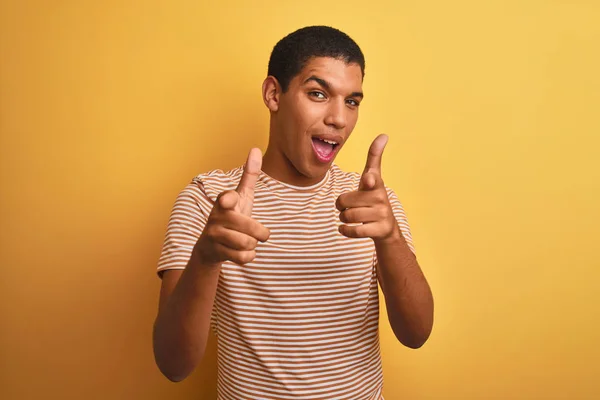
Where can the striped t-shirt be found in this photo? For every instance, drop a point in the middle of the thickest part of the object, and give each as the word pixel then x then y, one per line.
pixel 301 320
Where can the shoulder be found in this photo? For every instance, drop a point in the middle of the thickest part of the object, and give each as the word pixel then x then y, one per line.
pixel 213 182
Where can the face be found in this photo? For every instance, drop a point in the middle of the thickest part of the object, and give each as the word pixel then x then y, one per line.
pixel 312 120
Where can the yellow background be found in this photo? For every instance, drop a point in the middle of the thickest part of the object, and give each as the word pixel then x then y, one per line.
pixel 108 108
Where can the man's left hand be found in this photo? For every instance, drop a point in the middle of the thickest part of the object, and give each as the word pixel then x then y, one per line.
pixel 369 205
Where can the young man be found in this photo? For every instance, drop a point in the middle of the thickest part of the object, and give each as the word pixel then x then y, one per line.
pixel 281 257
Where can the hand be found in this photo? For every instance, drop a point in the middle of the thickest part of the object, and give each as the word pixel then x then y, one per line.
pixel 230 233
pixel 369 206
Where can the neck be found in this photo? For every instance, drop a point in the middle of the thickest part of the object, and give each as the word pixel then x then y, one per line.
pixel 279 167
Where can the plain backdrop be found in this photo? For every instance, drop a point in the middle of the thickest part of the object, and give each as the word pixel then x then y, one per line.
pixel 109 108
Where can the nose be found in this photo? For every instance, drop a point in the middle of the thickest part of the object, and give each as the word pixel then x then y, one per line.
pixel 336 114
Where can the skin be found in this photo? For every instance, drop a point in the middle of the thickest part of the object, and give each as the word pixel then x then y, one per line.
pixel 408 298
pixel 182 325
pixel 322 100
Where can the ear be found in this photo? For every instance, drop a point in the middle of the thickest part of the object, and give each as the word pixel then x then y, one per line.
pixel 271 91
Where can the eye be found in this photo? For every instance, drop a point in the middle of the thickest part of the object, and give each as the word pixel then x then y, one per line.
pixel 318 95
pixel 352 102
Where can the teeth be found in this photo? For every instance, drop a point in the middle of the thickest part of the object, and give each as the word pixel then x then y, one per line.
pixel 329 141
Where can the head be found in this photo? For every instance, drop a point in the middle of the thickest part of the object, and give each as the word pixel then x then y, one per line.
pixel 313 91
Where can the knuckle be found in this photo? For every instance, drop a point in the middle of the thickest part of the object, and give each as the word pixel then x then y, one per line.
pixel 348 231
pixel 209 230
pixel 226 197
pixel 221 196
pixel 227 193
pixel 264 234
pixel 340 202
pixel 218 229
pixel 350 215
pixel 250 242
pixel 246 256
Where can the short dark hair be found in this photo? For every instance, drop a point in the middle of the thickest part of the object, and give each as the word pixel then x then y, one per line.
pixel 292 52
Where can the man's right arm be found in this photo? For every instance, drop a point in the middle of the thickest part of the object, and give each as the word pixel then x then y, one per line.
pixel 182 325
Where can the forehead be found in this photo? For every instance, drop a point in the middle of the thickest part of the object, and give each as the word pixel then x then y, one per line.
pixel 336 72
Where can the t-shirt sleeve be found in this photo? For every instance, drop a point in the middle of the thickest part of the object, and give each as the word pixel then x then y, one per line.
pixel 186 223
pixel 401 219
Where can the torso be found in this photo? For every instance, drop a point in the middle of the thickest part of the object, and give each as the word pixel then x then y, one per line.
pixel 301 320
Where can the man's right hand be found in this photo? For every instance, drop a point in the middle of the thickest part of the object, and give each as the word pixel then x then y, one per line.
pixel 231 234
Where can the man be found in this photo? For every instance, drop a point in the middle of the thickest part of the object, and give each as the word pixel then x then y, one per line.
pixel 282 256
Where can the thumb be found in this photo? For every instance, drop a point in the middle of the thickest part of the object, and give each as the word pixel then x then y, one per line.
pixel 369 181
pixel 228 200
pixel 375 154
pixel 371 176
pixel 250 175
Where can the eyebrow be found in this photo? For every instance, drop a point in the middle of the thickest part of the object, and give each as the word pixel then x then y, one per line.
pixel 327 86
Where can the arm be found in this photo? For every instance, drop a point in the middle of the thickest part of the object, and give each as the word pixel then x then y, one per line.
pixel 182 325
pixel 380 217
pixel 188 288
pixel 407 294
pixel 229 233
pixel 408 298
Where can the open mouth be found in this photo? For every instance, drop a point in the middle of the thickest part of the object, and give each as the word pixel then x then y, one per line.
pixel 324 149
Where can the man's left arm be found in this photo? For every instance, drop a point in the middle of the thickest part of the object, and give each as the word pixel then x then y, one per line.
pixel 408 298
